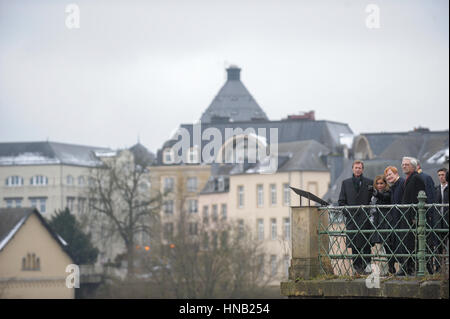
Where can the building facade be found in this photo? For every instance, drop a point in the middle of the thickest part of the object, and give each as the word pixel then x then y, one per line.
pixel 33 259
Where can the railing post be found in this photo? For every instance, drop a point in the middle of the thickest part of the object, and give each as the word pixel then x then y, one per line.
pixel 421 233
pixel 305 242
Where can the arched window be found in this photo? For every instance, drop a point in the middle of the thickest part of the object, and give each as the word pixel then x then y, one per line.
pixel 38 180
pixel 31 262
pixel 14 181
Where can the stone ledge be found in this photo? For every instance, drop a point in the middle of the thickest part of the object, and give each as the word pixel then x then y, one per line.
pixel 356 288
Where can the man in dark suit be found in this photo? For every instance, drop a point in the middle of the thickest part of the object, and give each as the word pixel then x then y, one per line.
pixel 355 191
pixel 442 222
pixel 432 215
pixel 413 185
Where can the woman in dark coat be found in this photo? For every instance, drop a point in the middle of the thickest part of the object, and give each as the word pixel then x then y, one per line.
pixel 382 218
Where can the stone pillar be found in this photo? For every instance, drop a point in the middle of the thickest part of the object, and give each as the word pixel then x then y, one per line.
pixel 305 242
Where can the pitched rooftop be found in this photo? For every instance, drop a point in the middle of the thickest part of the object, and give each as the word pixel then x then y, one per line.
pixel 233 103
pixel 45 153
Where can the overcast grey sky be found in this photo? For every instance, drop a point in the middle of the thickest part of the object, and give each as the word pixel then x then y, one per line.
pixel 143 67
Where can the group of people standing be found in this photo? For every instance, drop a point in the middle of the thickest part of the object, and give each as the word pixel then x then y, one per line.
pixel 389 189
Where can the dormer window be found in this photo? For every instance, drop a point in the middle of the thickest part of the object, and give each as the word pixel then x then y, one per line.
pixel 193 155
pixel 221 183
pixel 168 156
pixel 38 180
pixel 14 181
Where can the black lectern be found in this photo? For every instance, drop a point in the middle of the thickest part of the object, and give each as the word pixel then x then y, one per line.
pixel 309 196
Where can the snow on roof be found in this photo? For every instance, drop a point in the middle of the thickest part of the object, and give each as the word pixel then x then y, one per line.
pixel 105 153
pixel 62 240
pixel 12 232
pixel 28 158
pixel 439 157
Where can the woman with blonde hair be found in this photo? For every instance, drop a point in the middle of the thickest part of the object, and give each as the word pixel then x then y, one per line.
pixel 380 217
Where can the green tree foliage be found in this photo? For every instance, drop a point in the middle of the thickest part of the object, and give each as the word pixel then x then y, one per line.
pixel 79 244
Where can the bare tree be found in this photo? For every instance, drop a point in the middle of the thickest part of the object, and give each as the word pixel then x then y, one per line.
pixel 217 260
pixel 120 203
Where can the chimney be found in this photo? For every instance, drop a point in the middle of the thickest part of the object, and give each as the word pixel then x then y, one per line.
pixel 302 116
pixel 234 73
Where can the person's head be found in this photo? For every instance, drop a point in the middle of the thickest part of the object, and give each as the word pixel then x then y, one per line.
pixel 441 174
pixel 391 174
pixel 409 165
pixel 358 168
pixel 379 183
pixel 418 166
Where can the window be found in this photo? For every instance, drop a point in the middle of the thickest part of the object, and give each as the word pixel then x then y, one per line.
pixel 215 213
pixel 260 266
pixel 13 202
pixel 40 203
pixel 31 262
pixel 192 208
pixel 286 194
pixel 81 180
pixel 215 240
pixel 273 228
pixel 38 180
pixel 193 228
pixel 240 228
pixel 168 206
pixel 273 265
pixel 224 211
pixel 14 181
pixel 224 239
pixel 192 156
pixel 273 194
pixel 286 265
pixel 260 195
pixel 70 202
pixel 240 196
pixel 260 223
pixel 205 214
pixel 69 180
pixel 287 228
pixel 192 184
pixel 220 184
pixel 205 241
pixel 81 205
pixel 168 156
pixel 168 184
pixel 168 231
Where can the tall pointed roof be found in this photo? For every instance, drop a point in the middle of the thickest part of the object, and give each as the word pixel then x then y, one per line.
pixel 233 103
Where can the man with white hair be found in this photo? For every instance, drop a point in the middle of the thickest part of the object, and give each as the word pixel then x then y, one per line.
pixel 413 185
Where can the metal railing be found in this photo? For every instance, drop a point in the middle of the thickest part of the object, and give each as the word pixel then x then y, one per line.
pixel 393 239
